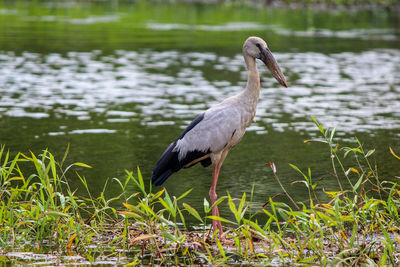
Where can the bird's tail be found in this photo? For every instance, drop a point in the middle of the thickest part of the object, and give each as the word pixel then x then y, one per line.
pixel 159 180
pixel 166 166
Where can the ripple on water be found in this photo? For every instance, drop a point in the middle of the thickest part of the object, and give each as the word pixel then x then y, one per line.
pixel 231 26
pixel 388 34
pixel 352 91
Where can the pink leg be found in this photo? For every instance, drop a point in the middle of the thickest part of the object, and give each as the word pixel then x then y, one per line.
pixel 213 196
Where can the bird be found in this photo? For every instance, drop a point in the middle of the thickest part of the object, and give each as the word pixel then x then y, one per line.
pixel 213 133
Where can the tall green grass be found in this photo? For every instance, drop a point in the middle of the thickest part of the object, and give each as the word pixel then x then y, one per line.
pixel 40 212
pixel 356 225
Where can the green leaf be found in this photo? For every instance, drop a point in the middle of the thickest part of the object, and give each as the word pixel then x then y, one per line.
pixel 232 207
pixel 255 226
pixel 56 214
pixel 134 209
pixel 182 218
pixel 299 171
pixel 306 260
pixel 157 195
pixel 320 128
pixel 327 219
pixel 148 209
pixel 82 165
pixel 185 194
pixel 53 169
pixel 192 211
pixel 394 154
pixel 370 152
pixel 283 214
pixel 65 156
pixel 332 134
pixel 355 187
pixel 242 202
pixel 130 214
pixel 314 186
pixel 140 178
pixel 372 204
pixel 170 204
pixel 119 182
pixel 169 236
pixel 219 219
pixel 138 184
pixel 217 202
pixel 62 199
pixel 166 206
pixel 128 206
pixel 206 206
pixel 220 247
pixel 346 153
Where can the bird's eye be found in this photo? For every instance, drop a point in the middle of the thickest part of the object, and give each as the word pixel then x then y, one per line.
pixel 258 45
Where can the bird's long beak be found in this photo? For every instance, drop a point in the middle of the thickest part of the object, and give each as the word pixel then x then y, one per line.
pixel 270 62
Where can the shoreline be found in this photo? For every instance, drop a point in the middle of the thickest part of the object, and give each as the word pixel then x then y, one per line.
pixel 351 5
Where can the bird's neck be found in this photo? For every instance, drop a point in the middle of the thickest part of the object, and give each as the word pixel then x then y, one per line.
pixel 252 91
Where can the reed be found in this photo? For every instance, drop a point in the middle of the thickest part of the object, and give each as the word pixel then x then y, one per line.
pixel 356 225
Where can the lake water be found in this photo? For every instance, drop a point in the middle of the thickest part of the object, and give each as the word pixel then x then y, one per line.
pixel 119 81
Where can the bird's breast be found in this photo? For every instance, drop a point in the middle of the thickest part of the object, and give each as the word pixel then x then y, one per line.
pixel 247 115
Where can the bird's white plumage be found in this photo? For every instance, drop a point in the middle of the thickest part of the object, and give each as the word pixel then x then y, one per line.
pixel 223 126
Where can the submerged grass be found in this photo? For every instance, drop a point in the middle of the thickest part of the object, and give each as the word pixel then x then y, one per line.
pixel 42 214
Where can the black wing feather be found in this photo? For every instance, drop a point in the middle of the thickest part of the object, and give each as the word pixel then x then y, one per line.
pixel 206 162
pixel 169 162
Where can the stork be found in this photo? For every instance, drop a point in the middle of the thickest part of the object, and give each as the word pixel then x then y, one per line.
pixel 210 136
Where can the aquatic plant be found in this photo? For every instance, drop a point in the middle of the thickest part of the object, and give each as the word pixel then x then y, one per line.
pixel 357 224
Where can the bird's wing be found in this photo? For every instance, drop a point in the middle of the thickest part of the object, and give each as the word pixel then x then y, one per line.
pixel 209 132
pixel 170 162
pixel 212 133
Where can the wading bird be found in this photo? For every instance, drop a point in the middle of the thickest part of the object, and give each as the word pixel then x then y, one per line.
pixel 211 135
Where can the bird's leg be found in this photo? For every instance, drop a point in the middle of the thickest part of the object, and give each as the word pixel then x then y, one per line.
pixel 213 196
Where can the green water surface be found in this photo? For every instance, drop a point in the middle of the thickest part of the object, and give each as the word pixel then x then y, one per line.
pixel 118 81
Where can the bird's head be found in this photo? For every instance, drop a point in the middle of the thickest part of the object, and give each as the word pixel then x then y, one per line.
pixel 258 48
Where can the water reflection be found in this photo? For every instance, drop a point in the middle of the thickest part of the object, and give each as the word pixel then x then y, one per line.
pixel 351 91
pixel 364 34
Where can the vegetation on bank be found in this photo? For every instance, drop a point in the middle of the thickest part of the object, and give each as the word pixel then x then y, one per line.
pixel 309 3
pixel 41 213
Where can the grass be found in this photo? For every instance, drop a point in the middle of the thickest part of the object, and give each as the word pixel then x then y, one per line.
pixel 42 214
pixel 354 3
